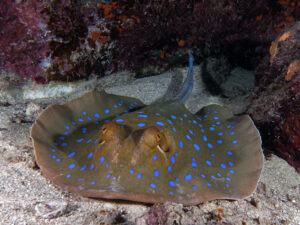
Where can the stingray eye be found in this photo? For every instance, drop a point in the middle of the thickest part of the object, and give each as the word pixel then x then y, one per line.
pixel 104 130
pixel 158 137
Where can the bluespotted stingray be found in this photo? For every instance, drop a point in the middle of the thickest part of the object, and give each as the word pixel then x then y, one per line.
pixel 115 147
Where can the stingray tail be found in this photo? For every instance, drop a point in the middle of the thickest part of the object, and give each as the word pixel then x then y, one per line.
pixel 187 86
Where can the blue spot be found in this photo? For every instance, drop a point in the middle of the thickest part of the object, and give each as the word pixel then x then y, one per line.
pixel 219 141
pixel 96 115
pixel 115 106
pixel 72 154
pixel 90 155
pixel 84 113
pixel 223 165
pixel 180 118
pixel 172 183
pixel 200 125
pixel 212 155
pixel 108 176
pixel 193 159
pixel 174 129
pixel 106 111
pixel 185 115
pixel 172 158
pixel 176 154
pixel 212 128
pixel 53 156
pixel 227 178
pixel 208 184
pixel 73 123
pixel 204 138
pixel 218 123
pixel 220 134
pixel 131 171
pixel 71 166
pixel 157 114
pixel 153 185
pixel 227 185
pixel 155 157
pixel 105 121
pixel 170 122
pixel 234 142
pixel 188 177
pixel 191 132
pixel 58 160
pixel 213 177
pixel 215 112
pixel 143 116
pixel 119 120
pixel 173 117
pixel 140 112
pixel 188 137
pixel 202 131
pixel 231 133
pixel 194 121
pixel 141 124
pixel 120 103
pixel 156 173
pixel 171 192
pixel 210 145
pixel 107 165
pixel 230 163
pixel 68 176
pixel 196 147
pixel 176 179
pixel 79 140
pixel 231 171
pixel 102 159
pixel 202 175
pixel 89 118
pixel 229 153
pixel 138 176
pixel 93 182
pixel 83 168
pixel 84 130
pixel 92 166
pixel 80 120
pixel 208 162
pixel 117 115
pixel 205 116
pixel 169 169
pixel 219 175
pixel 88 141
pixel 189 121
pixel 80 179
pixel 216 118
pixel 160 123
pixel 68 127
pixel 66 133
pixel 194 187
pixel 180 144
pixel 53 150
pixel 55 143
pixel 64 144
pixel 96 122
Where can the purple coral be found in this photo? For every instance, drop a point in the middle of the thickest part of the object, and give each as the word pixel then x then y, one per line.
pixel 22 38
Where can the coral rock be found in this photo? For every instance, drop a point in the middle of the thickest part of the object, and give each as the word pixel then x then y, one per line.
pixel 276 102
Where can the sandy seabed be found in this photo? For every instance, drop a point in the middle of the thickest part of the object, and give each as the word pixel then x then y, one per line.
pixel 26 197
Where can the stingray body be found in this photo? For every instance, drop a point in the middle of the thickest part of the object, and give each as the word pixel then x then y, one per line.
pixel 109 146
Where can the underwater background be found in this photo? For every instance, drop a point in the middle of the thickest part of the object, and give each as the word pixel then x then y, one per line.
pixel 247 56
